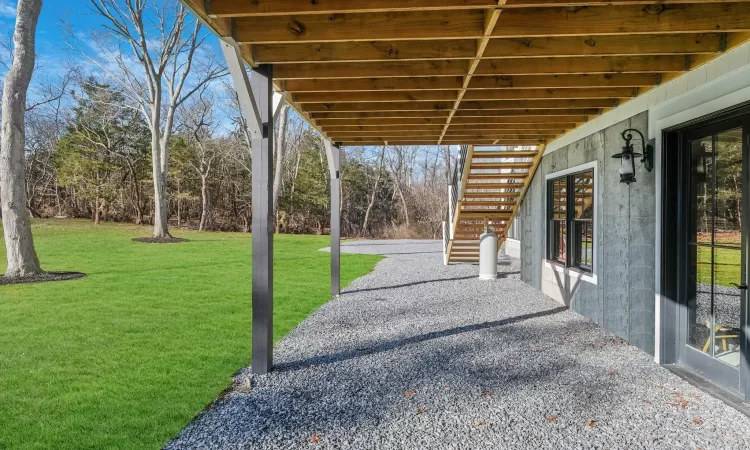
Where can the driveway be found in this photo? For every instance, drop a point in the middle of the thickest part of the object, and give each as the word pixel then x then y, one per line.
pixel 418 355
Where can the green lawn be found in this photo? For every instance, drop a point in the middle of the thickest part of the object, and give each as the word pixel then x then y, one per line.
pixel 727 266
pixel 125 357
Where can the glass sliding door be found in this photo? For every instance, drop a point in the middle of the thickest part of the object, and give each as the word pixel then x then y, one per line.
pixel 716 248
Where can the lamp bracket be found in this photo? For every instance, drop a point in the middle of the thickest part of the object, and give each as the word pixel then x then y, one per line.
pixel 648 148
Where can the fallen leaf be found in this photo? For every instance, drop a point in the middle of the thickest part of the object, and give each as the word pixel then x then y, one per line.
pixel 421 410
pixel 697 421
pixel 551 418
pixel 486 392
pixel 612 373
pixel 591 423
pixel 315 438
pixel 478 424
pixel 684 404
pixel 409 393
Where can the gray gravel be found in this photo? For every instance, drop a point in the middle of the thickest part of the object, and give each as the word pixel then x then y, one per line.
pixel 417 355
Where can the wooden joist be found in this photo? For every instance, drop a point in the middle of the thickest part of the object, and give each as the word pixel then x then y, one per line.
pixel 488 67
pixel 518 23
pixel 466 106
pixel 533 47
pixel 477 140
pixel 368 71
pixel 412 84
pixel 499 128
pixel 245 8
pixel 480 94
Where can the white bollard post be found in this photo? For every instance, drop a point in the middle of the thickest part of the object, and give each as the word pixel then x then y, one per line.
pixel 488 255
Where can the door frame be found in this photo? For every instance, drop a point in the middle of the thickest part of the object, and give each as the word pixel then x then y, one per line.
pixel 675 167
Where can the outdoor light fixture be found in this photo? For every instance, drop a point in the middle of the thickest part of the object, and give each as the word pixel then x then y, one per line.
pixel 627 157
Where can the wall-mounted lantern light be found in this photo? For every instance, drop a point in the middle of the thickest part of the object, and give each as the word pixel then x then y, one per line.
pixel 628 155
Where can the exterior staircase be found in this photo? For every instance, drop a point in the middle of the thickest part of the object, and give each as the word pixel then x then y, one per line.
pixel 488 186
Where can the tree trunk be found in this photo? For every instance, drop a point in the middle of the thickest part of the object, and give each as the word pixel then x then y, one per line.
pixel 19 243
pixel 280 151
pixel 204 203
pixel 179 205
pixel 161 202
pixel 137 193
pixel 404 205
pixel 374 194
pixel 97 212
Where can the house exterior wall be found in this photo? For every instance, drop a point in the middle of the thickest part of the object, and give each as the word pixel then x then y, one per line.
pixel 623 295
pixel 619 295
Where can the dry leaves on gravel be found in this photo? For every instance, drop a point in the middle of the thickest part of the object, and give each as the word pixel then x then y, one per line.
pixel 409 393
pixel 591 423
pixel 551 418
pixel 315 438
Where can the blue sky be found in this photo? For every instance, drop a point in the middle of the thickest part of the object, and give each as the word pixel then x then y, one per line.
pixel 52 51
pixel 50 33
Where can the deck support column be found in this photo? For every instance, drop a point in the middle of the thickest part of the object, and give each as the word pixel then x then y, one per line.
pixel 256 99
pixel 333 153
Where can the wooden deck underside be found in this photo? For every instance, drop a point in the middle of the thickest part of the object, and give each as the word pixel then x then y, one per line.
pixel 511 73
pixel 470 72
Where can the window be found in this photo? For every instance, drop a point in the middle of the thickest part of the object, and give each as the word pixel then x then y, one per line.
pixel 570 240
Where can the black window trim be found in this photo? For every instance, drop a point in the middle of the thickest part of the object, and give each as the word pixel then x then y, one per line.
pixel 570 221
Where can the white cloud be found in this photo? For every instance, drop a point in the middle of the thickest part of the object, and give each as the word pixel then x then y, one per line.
pixel 8 9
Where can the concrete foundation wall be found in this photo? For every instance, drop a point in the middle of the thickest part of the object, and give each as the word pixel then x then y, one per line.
pixel 620 294
pixel 512 248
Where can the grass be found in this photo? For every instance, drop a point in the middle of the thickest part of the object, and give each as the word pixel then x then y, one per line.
pixel 126 357
pixel 727 266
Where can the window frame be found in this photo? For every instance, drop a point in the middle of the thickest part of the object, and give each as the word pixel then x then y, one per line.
pixel 573 254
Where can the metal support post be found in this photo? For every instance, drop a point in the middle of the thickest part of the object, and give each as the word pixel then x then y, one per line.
pixel 333 152
pixel 256 99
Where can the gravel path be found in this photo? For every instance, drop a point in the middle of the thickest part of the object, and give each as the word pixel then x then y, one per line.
pixel 417 355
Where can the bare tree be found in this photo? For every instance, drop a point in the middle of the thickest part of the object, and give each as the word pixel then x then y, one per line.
pixel 154 62
pixel 19 243
pixel 197 121
pixel 374 193
pixel 281 150
pixel 399 162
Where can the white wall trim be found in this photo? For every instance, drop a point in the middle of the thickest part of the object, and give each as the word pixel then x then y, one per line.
pixel 579 168
pixel 572 272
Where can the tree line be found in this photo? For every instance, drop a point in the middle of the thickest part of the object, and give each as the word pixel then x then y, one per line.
pixel 148 130
pixel 92 159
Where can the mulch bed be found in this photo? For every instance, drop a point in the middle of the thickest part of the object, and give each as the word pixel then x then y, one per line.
pixel 164 240
pixel 43 278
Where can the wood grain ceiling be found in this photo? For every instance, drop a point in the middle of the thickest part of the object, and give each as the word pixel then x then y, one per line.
pixel 481 72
